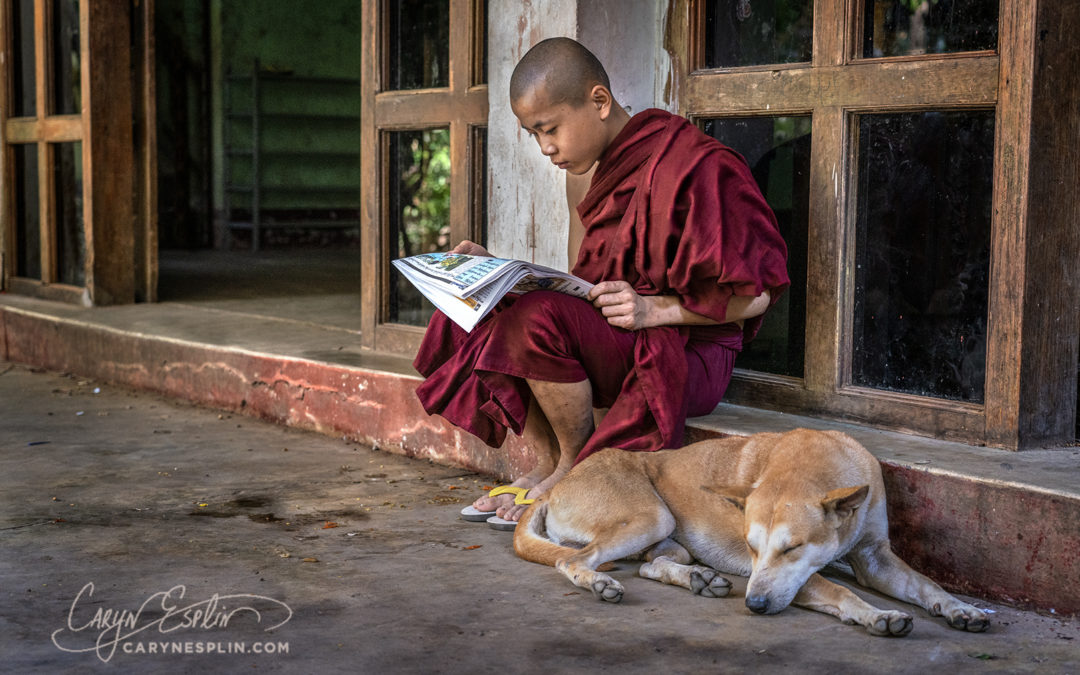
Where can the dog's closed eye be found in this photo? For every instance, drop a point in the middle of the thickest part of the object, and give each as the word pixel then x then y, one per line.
pixel 789 549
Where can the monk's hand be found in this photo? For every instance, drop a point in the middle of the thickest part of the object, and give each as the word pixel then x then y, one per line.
pixel 620 304
pixel 467 247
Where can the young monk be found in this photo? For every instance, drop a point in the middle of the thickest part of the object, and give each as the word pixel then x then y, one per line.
pixel 686 257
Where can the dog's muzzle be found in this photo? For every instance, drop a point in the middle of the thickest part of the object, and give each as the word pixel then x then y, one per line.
pixel 758 604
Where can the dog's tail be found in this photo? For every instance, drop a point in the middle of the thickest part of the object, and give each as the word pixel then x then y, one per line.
pixel 530 539
pixel 531 542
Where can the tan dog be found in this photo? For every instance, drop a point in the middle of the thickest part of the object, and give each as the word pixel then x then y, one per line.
pixel 774 507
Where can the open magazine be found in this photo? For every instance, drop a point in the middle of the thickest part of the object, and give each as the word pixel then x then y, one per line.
pixel 466 287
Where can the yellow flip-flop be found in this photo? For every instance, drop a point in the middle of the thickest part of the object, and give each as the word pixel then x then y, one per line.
pixel 474 514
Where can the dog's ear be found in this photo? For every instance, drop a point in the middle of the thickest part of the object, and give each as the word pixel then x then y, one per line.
pixel 736 494
pixel 844 501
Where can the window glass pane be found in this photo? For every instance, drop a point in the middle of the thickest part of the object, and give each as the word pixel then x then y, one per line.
pixel 419 197
pixel 419 45
pixel 923 252
pixel 908 27
pixel 27 212
pixel 757 32
pixel 70 235
pixel 778 151
pixel 22 33
pixel 66 81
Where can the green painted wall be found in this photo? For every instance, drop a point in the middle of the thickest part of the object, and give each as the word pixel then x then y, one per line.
pixel 311 131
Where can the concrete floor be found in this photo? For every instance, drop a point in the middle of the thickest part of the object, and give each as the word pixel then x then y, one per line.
pixel 138 495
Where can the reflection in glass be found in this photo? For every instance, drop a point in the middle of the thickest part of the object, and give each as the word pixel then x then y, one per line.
pixel 911 27
pixel 27 212
pixel 778 151
pixel 419 211
pixel 419 44
pixel 24 89
pixel 757 32
pixel 70 235
pixel 922 255
pixel 66 80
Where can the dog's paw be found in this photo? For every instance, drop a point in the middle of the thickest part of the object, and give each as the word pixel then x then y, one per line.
pixel 708 583
pixel 964 617
pixel 607 589
pixel 891 624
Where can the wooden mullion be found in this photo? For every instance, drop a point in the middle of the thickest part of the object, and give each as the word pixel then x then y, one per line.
pixel 826 243
pixel 830 29
pixel 47 210
pixel 56 128
pixel 41 57
pixel 419 108
pixel 460 47
pixel 371 189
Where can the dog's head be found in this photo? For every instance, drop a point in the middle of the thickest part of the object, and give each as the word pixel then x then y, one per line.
pixel 790 537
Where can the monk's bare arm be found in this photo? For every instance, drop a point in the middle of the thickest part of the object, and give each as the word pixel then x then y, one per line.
pixel 624 308
pixel 576 187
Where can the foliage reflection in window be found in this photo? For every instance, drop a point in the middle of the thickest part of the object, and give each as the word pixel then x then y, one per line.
pixel 419 211
pixel 913 27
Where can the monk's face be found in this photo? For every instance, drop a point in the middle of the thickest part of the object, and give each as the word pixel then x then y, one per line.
pixel 573 137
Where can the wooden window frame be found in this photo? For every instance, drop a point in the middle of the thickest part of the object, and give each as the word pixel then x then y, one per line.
pixel 462 107
pixel 118 182
pixel 1030 390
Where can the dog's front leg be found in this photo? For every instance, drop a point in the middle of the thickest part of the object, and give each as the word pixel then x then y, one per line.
pixel 822 595
pixel 669 563
pixel 879 568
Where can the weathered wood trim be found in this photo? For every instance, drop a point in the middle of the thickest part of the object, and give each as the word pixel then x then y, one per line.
pixel 829 42
pixel 56 129
pixel 370 190
pixel 880 84
pixel 72 295
pixel 110 182
pixel 421 108
pixel 147 192
pixel 826 246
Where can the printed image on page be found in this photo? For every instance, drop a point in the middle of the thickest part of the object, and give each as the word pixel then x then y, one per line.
pixel 464 272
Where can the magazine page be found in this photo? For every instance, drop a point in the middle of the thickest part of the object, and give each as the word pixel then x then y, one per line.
pixel 465 273
pixel 465 288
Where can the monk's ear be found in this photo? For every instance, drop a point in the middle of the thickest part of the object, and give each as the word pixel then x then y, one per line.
pixel 734 494
pixel 842 502
pixel 602 98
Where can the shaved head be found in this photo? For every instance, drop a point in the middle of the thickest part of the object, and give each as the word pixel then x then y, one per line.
pixel 560 68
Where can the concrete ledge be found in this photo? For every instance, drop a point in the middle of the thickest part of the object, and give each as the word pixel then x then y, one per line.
pixel 999 525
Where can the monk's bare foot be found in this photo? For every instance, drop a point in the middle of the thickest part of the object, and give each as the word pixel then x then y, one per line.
pixel 508 510
pixel 502 502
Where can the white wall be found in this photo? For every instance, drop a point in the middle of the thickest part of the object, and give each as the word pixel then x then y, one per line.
pixel 528 217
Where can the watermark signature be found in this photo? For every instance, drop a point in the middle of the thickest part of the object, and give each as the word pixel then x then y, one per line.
pixel 167 613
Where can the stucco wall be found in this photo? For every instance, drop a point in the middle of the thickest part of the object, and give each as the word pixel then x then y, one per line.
pixel 526 194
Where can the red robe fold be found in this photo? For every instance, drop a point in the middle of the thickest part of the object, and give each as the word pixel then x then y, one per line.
pixel 671 211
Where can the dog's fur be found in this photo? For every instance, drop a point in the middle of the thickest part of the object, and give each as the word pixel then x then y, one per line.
pixel 774 507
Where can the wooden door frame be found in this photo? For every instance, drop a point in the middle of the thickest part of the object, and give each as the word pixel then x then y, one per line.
pixel 112 178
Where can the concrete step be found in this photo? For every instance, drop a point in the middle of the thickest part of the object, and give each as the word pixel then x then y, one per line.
pixel 999 525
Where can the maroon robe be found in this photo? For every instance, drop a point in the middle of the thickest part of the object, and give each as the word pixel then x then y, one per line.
pixel 671 211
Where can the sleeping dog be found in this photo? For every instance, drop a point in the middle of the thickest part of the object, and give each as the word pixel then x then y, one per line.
pixel 774 507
